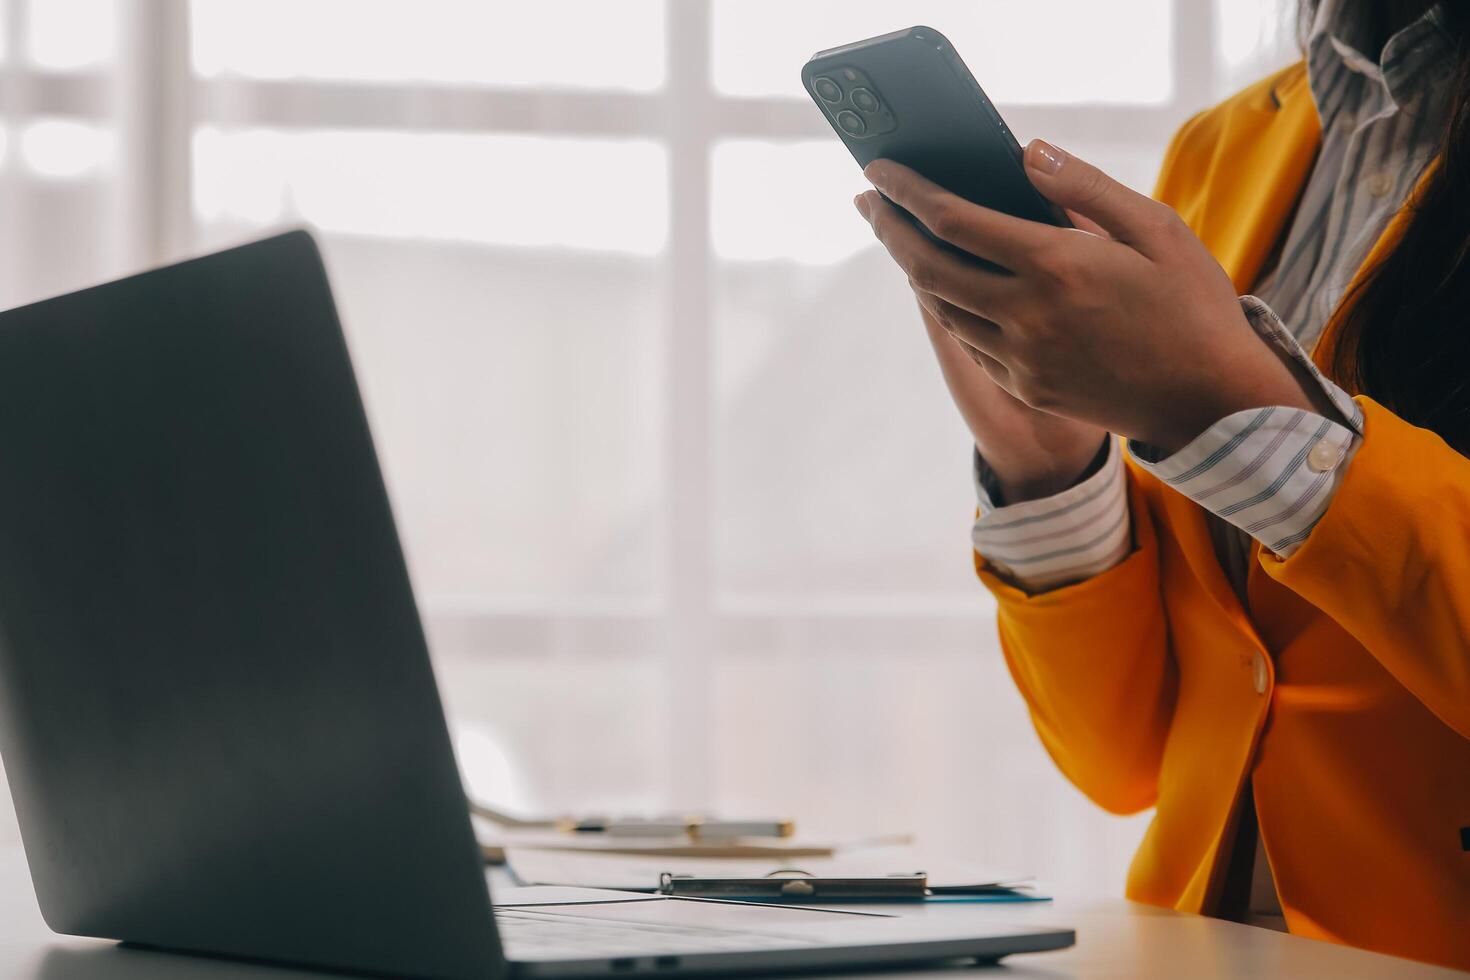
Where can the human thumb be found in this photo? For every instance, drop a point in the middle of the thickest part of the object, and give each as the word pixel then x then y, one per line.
pixel 1082 188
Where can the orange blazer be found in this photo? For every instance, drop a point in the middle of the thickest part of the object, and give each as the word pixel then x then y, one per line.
pixel 1343 694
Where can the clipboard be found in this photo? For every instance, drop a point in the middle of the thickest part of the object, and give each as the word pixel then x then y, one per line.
pixel 791 885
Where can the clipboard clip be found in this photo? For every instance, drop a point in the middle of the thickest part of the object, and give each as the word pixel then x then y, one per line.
pixel 795 885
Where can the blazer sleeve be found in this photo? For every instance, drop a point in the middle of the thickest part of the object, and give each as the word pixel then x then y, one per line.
pixel 1389 560
pixel 1092 661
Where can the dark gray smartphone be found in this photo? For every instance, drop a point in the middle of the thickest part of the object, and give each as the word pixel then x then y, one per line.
pixel 908 97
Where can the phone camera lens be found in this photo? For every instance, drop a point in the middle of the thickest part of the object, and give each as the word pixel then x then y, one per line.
pixel 829 90
pixel 865 101
pixel 852 124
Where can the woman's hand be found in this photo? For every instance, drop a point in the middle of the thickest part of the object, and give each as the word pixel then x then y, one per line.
pixel 1032 454
pixel 1130 325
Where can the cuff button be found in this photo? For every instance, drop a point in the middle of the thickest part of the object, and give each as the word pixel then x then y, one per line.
pixel 1323 457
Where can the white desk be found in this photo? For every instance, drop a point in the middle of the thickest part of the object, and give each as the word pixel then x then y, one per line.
pixel 1115 938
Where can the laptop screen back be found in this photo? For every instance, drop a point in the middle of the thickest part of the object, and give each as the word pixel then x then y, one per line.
pixel 217 712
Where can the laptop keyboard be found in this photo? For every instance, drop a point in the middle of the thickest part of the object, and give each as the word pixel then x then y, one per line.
pixel 522 930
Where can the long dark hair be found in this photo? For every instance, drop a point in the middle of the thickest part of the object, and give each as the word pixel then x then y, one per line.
pixel 1403 337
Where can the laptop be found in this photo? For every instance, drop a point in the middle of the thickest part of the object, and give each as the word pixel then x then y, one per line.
pixel 217 711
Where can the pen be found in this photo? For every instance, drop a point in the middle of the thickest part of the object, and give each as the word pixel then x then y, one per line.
pixel 798 886
pixel 695 828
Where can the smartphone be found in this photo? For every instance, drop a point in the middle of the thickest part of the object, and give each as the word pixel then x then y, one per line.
pixel 908 97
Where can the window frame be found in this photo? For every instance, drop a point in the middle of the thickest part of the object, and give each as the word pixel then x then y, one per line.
pixel 158 103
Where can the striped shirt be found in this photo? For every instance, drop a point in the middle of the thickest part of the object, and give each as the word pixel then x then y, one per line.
pixel 1266 474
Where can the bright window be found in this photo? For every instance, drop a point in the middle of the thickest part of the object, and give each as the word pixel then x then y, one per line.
pixel 70 35
pixel 1116 52
pixel 487 188
pixel 685 502
pixel 569 43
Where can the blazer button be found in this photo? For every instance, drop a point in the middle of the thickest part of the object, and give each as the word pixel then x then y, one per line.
pixel 1258 672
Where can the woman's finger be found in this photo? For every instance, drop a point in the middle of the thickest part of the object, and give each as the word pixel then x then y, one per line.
pixel 1082 221
pixel 997 371
pixel 934 269
pixel 1126 215
pixel 1002 238
pixel 974 332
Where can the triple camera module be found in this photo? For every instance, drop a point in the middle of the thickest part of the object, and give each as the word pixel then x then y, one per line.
pixel 848 96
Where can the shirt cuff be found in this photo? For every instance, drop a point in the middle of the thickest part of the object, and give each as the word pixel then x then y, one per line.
pixel 1067 537
pixel 1269 471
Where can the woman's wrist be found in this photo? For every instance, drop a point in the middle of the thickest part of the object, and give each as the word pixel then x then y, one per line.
pixel 1043 475
pixel 1270 381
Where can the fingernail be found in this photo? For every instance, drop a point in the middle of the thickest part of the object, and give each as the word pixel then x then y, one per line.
pixel 1041 155
pixel 876 173
pixel 861 203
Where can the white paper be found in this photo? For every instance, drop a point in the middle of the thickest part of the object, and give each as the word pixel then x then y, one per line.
pixel 512 898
